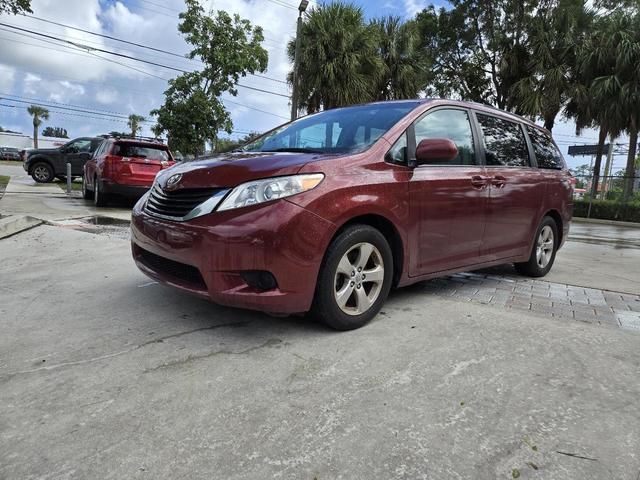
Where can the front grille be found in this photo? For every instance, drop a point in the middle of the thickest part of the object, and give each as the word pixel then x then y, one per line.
pixel 179 271
pixel 178 203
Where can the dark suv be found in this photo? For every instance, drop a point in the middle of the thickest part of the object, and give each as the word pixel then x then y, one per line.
pixel 45 164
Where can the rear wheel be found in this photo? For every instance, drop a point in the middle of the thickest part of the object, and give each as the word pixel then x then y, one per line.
pixel 42 172
pixel 544 250
pixel 355 278
pixel 99 198
pixel 86 193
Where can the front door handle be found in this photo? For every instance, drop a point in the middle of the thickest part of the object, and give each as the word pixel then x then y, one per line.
pixel 498 181
pixel 479 182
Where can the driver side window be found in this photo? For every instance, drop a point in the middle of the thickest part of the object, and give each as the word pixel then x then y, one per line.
pixel 451 124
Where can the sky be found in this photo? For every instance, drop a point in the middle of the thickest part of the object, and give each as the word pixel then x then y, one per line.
pixel 36 69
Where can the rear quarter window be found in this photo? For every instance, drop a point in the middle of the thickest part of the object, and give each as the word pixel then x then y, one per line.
pixel 547 154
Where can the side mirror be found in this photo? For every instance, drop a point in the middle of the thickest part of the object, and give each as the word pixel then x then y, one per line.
pixel 435 150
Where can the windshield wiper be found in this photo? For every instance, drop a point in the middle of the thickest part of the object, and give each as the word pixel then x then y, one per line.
pixel 296 150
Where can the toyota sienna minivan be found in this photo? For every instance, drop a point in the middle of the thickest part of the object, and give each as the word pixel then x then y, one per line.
pixel 327 213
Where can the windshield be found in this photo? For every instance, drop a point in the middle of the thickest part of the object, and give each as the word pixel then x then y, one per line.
pixel 341 130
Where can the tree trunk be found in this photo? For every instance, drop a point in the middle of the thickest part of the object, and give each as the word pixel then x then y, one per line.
pixel 35 136
pixel 631 162
pixel 602 137
pixel 549 122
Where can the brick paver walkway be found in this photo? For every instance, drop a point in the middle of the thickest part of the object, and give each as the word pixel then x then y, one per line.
pixel 546 298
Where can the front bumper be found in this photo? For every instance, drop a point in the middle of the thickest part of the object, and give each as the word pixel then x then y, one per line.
pixel 207 255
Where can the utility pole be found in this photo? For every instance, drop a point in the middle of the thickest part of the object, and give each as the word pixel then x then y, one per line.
pixel 296 61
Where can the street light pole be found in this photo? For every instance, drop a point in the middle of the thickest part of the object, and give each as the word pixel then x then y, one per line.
pixel 296 61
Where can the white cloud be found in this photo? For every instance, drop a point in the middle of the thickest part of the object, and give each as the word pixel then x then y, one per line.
pixel 414 6
pixel 106 96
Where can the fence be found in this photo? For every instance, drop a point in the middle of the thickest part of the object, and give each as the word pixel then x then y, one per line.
pixel 609 202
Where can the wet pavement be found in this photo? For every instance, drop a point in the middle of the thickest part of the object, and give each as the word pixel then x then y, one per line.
pixel 602 234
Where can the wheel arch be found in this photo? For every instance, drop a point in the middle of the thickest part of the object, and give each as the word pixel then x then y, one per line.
pixel 390 232
pixel 35 160
pixel 555 215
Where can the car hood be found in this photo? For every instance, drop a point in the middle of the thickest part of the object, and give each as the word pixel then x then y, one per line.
pixel 232 169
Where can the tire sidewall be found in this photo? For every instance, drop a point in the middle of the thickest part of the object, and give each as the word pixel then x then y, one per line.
pixel 325 306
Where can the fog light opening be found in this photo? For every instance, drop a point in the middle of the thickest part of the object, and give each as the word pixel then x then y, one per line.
pixel 259 279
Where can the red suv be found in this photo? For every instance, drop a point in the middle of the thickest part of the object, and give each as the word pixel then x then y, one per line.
pixel 125 167
pixel 329 212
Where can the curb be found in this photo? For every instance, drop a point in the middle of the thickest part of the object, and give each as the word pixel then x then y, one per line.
pixel 17 223
pixel 605 222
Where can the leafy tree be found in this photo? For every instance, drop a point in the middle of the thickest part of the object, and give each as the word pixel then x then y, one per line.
pixel 477 49
pixel 227 144
pixel 554 32
pixel 396 45
pixel 338 64
pixel 15 7
pixel 38 114
pixel 582 174
pixel 134 123
pixel 55 132
pixel 229 47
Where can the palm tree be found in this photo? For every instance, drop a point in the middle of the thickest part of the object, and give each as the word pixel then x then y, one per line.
pixel 337 64
pixel 554 34
pixel 397 45
pixel 594 100
pixel 38 113
pixel 134 123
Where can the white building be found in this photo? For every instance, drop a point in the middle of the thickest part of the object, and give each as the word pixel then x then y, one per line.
pixel 21 141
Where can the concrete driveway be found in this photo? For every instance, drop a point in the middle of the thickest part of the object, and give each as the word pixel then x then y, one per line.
pixel 106 374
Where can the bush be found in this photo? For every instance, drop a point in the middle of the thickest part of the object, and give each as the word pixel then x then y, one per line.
pixel 608 210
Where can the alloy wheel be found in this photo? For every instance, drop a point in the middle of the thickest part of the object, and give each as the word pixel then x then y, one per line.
pixel 359 279
pixel 544 246
pixel 41 173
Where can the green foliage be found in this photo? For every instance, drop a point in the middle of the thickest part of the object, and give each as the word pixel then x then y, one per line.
pixel 134 123
pixel 477 49
pixel 338 64
pixel 55 132
pixel 15 7
pixel 396 45
pixel 227 144
pixel 608 210
pixel 229 47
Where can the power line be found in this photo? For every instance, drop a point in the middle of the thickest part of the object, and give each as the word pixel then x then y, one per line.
pixel 91 50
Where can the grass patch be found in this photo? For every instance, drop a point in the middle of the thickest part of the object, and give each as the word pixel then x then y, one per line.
pixel 11 162
pixel 4 181
pixel 76 185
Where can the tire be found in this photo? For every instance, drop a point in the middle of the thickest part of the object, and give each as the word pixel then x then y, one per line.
pixel 86 193
pixel 42 172
pixel 543 253
pixel 351 289
pixel 99 198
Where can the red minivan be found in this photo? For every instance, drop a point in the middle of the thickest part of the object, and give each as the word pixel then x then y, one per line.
pixel 124 167
pixel 329 212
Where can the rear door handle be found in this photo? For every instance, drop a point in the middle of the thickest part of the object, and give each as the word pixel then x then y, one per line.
pixel 479 182
pixel 498 181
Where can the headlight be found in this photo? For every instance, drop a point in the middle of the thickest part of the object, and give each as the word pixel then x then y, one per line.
pixel 260 191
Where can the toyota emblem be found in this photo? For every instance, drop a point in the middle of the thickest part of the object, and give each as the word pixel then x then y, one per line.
pixel 173 180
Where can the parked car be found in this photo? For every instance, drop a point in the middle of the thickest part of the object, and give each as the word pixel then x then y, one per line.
pixel 45 164
pixel 124 167
pixel 9 153
pixel 329 212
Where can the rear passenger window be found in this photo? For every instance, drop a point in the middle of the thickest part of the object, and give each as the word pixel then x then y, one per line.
pixel 451 124
pixel 504 142
pixel 547 154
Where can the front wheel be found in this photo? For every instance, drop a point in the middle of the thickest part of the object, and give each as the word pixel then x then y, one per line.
pixel 99 198
pixel 42 172
pixel 86 193
pixel 355 278
pixel 544 250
